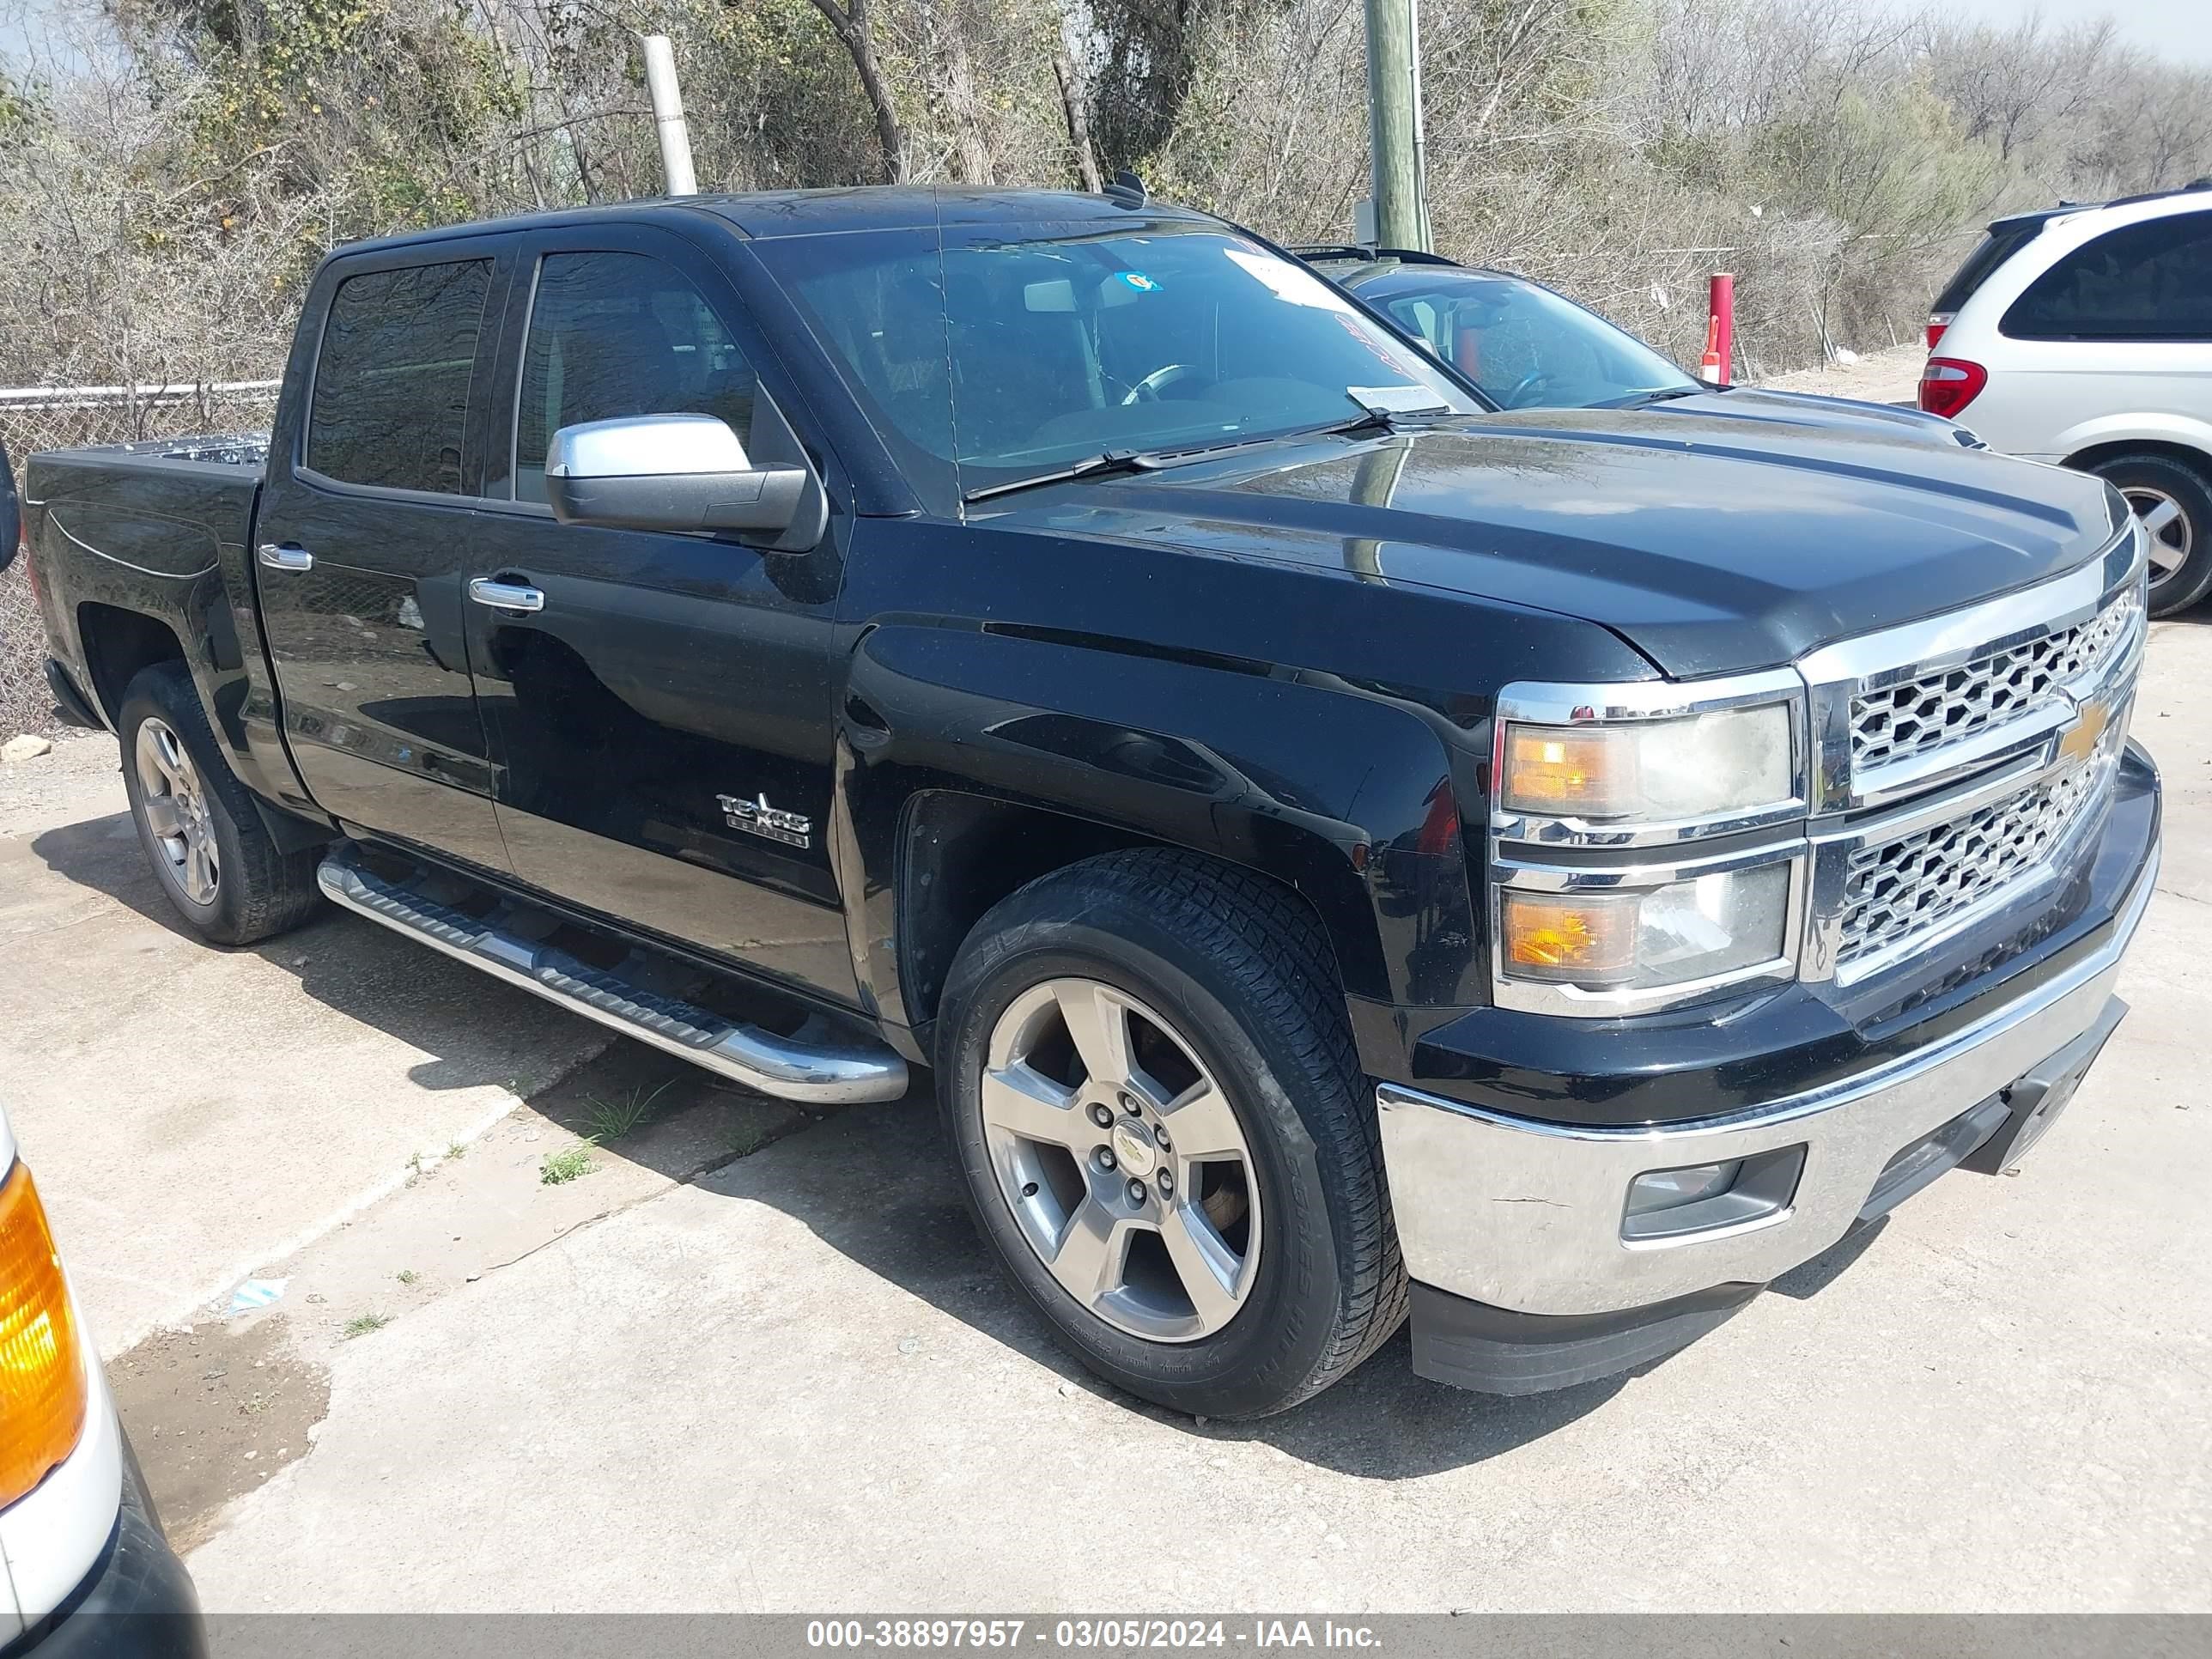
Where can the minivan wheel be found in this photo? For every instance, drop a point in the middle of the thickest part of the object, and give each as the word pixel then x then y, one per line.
pixel 2172 502
pixel 218 864
pixel 1151 1093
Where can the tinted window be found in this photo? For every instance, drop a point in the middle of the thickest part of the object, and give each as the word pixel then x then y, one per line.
pixel 2146 281
pixel 1524 345
pixel 1992 251
pixel 1006 354
pixel 391 385
pixel 615 334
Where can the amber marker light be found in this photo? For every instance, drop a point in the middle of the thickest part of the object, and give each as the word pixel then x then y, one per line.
pixel 1559 770
pixel 1560 935
pixel 42 1387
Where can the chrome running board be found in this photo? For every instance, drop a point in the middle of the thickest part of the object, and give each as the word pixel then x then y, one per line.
pixel 824 1073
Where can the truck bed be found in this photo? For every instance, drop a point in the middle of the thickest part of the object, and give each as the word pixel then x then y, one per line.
pixel 164 508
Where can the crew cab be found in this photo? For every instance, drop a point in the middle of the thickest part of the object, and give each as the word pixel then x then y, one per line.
pixel 1332 847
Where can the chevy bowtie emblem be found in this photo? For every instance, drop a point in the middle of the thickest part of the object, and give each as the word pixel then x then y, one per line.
pixel 758 818
pixel 2079 741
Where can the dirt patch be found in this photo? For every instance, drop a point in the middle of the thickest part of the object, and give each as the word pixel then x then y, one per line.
pixel 213 1412
pixel 1880 377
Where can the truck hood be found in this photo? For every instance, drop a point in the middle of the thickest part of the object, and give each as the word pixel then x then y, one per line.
pixel 1713 546
pixel 1812 409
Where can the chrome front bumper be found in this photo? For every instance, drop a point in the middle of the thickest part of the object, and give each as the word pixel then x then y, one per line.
pixel 1526 1216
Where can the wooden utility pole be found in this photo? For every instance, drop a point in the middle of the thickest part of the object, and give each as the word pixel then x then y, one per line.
pixel 1394 123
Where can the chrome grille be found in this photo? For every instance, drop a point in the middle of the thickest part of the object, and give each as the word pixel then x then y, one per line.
pixel 1896 891
pixel 1918 717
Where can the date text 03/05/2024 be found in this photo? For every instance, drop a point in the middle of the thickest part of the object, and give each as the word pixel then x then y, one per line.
pixel 1260 1635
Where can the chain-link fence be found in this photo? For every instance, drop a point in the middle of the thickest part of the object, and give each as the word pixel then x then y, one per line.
pixel 24 703
pixel 67 417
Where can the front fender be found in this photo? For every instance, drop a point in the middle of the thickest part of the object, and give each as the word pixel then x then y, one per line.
pixel 1344 793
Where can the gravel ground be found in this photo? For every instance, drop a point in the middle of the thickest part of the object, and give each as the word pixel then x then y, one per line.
pixel 1880 377
pixel 31 789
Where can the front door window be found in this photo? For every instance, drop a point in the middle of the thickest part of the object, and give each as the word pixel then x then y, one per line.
pixel 617 334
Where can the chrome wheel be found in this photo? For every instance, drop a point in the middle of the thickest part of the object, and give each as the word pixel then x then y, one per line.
pixel 175 804
pixel 2171 536
pixel 1121 1160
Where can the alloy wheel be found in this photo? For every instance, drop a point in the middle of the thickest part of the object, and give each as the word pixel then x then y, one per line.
pixel 1121 1160
pixel 176 812
pixel 2171 536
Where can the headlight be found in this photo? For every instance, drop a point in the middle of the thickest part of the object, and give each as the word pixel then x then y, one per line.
pixel 1685 932
pixel 1662 771
pixel 1647 840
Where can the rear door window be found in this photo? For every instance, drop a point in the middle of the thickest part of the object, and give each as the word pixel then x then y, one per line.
pixel 2146 281
pixel 393 376
pixel 1992 251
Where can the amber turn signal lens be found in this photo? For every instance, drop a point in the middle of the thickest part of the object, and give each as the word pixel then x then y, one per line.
pixel 1559 935
pixel 1559 769
pixel 42 1390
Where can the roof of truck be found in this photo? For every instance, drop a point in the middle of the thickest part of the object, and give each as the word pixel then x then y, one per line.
pixel 805 212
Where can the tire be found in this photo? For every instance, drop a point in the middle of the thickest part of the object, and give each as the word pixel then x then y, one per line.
pixel 1274 1270
pixel 2179 497
pixel 210 851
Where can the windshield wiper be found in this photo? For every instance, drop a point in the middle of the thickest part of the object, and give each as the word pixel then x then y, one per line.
pixel 1378 415
pixel 1090 466
pixel 1374 417
pixel 1664 394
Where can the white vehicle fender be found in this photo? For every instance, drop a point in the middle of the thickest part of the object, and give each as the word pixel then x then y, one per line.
pixel 2138 427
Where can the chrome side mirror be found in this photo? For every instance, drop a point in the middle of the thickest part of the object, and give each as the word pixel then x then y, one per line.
pixel 683 472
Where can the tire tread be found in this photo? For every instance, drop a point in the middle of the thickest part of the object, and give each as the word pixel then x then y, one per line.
pixel 276 890
pixel 2174 474
pixel 1274 952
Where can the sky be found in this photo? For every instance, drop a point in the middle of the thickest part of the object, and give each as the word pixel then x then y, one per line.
pixel 2180 31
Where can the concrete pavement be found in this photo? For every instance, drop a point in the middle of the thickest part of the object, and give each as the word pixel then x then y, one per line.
pixel 191 1112
pixel 800 1385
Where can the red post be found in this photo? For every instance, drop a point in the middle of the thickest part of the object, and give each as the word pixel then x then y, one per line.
pixel 1720 331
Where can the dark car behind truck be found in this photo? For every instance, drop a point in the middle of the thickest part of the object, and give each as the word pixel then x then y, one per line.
pixel 1528 347
pixel 1332 846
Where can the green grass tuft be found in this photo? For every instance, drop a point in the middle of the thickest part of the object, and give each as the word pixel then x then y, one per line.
pixel 558 1169
pixel 613 1118
pixel 363 1324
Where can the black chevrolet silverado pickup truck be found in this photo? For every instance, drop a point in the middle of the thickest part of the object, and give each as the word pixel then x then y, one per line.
pixel 1336 850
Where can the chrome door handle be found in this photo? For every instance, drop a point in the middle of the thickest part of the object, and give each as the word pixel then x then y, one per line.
pixel 505 596
pixel 288 556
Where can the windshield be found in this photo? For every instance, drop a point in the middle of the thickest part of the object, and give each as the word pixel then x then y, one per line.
pixel 1009 356
pixel 1524 345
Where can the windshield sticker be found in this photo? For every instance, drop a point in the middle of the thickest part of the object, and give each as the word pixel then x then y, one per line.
pixel 1139 280
pixel 1376 348
pixel 1290 281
